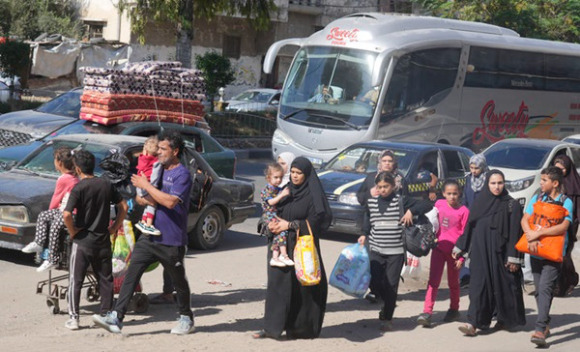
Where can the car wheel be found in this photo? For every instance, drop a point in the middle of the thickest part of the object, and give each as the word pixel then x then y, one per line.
pixel 209 230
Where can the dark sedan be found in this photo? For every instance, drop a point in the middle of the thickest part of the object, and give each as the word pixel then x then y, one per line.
pixel 26 190
pixel 341 180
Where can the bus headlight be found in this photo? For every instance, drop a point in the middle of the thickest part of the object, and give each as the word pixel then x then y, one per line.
pixel 14 213
pixel 348 198
pixel 519 185
pixel 280 137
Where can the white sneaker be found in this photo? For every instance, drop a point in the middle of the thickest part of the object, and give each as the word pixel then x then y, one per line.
pixel 184 326
pixel 286 260
pixel 46 265
pixel 72 324
pixel 32 247
pixel 276 262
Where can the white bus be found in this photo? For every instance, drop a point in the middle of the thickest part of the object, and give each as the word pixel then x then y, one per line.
pixel 424 79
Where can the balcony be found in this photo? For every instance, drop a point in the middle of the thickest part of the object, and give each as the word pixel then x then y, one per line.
pixel 310 7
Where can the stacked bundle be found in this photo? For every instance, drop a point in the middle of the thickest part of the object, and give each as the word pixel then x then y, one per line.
pixel 144 91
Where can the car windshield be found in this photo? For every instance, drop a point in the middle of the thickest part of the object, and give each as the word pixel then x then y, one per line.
pixel 42 162
pixel 513 156
pixel 67 104
pixel 363 160
pixel 253 96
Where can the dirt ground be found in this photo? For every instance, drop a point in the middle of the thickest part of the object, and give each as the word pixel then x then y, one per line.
pixel 228 290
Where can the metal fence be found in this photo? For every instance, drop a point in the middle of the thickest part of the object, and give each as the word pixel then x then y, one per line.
pixel 240 125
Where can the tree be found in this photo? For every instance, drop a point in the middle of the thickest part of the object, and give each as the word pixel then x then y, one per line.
pixel 6 17
pixel 543 19
pixel 183 12
pixel 30 18
pixel 216 70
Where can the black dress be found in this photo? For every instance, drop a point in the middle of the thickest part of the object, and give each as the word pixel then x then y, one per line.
pixel 493 229
pixel 298 310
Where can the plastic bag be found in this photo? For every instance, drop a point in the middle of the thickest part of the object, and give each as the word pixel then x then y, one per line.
pixel 433 216
pixel 412 269
pixel 306 261
pixel 122 244
pixel 352 271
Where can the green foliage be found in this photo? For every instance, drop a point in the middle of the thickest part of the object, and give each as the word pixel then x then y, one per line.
pixel 257 12
pixel 5 18
pixel 216 70
pixel 14 57
pixel 30 18
pixel 544 19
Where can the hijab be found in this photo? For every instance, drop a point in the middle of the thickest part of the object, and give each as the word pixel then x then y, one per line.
pixel 477 182
pixel 288 157
pixel 308 192
pixel 572 179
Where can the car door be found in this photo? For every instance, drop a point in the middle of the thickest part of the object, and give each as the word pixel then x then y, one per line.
pixel 456 166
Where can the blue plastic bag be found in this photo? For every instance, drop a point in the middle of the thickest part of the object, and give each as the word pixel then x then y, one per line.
pixel 352 271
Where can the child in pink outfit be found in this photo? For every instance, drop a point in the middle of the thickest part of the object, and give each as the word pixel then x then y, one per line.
pixel 452 220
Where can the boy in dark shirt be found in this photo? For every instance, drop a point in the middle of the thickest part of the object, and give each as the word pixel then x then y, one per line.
pixel 90 232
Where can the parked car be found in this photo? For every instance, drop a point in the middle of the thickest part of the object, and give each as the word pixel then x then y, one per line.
pixel 221 159
pixel 522 159
pixel 341 180
pixel 26 190
pixel 264 99
pixel 24 126
pixel 575 138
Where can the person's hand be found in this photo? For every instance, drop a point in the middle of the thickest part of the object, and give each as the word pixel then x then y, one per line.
pixel 374 192
pixel 432 196
pixel 512 267
pixel 113 229
pixel 533 246
pixel 458 264
pixel 278 225
pixel 139 181
pixel 407 219
pixel 361 240
pixel 532 235
pixel 285 192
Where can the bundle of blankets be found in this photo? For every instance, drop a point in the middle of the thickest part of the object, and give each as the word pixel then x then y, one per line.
pixel 143 91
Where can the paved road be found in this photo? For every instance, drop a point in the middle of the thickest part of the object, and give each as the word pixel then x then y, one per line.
pixel 228 299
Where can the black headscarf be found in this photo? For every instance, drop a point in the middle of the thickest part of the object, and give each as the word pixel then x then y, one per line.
pixel 488 204
pixel 572 179
pixel 309 191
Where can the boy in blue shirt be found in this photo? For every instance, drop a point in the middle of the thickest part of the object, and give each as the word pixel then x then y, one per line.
pixel 546 272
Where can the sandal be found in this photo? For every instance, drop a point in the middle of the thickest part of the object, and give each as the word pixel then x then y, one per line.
pixel 467 329
pixel 260 334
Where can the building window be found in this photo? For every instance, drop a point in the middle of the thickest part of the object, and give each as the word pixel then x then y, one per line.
pixel 232 46
pixel 94 29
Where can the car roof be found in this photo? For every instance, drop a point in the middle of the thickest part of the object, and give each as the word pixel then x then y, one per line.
pixel 112 139
pixel 537 142
pixel 418 146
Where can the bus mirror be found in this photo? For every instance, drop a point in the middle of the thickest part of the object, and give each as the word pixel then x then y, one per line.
pixel 273 52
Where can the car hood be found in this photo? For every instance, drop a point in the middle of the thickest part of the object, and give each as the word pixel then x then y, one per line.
pixel 515 174
pixel 337 182
pixel 36 197
pixel 35 123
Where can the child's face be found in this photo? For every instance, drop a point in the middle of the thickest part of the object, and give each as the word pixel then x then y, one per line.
pixel 451 194
pixel 275 178
pixel 58 165
pixel 384 188
pixel 361 168
pixel 547 185
pixel 475 170
pixel 387 163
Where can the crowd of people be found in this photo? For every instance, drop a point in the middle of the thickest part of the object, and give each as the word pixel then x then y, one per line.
pixel 479 226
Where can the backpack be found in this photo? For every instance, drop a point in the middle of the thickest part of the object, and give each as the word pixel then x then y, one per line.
pixel 200 188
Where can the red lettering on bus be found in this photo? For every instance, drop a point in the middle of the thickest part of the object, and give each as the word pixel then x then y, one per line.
pixel 496 126
pixel 340 36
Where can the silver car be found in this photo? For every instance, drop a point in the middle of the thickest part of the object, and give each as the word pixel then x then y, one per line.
pixel 264 99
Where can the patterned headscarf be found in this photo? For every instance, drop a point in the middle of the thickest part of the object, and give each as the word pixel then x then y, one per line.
pixel 478 182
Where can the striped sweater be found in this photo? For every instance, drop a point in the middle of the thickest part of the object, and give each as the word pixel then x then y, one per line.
pixel 385 236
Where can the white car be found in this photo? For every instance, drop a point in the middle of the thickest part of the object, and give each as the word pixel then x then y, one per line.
pixel 522 159
pixel 575 138
pixel 262 99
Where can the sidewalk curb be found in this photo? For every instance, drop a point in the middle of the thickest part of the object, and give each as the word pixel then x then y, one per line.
pixel 253 153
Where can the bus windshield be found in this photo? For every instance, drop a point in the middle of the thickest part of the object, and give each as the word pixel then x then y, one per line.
pixel 330 87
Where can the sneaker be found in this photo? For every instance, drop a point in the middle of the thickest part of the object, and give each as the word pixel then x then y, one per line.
pixel 539 338
pixel 46 265
pixel 286 260
pixel 72 324
pixel 148 230
pixel 109 322
pixel 467 329
pixel 184 326
pixel 386 325
pixel 32 247
pixel 451 315
pixel 277 262
pixel 424 320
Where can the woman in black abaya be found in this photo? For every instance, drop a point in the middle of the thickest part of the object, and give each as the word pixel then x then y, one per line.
pixel 291 307
pixel 493 228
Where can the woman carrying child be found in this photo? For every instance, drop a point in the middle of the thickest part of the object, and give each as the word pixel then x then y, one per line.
pixel 383 225
pixel 493 228
pixel 545 271
pixel 271 195
pixel 50 222
pixel 452 220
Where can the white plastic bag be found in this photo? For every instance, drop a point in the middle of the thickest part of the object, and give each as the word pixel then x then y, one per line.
pixel 433 216
pixel 412 269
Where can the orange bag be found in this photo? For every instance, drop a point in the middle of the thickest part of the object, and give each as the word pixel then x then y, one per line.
pixel 546 215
